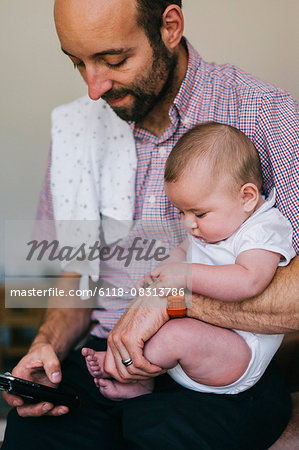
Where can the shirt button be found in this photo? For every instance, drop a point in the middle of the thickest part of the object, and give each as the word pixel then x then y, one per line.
pixel 162 151
pixel 152 199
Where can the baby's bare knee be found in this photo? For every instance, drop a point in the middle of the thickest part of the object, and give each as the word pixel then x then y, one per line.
pixel 178 329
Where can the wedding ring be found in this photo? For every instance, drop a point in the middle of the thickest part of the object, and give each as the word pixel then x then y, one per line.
pixel 127 362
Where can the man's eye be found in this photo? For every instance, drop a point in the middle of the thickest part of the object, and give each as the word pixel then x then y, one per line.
pixel 78 64
pixel 115 65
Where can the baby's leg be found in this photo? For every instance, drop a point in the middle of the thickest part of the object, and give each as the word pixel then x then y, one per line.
pixel 209 355
pixel 109 388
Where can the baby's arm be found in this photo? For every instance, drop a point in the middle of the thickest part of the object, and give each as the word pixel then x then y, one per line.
pixel 249 276
pixel 174 262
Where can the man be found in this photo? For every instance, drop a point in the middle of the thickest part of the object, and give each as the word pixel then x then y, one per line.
pixel 132 55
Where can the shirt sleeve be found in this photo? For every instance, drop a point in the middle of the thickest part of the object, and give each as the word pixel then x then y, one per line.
pixel 277 141
pixel 270 231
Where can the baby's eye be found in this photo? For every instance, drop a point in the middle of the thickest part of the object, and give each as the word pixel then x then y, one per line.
pixel 200 215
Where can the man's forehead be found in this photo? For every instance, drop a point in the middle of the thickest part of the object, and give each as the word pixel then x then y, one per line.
pixel 92 8
pixel 95 13
pixel 80 22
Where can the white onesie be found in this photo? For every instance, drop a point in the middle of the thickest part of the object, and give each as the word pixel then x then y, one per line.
pixel 266 229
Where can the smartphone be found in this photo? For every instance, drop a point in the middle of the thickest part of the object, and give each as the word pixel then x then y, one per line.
pixel 35 393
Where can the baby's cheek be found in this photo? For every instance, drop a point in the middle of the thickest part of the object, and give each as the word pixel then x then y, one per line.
pixel 211 231
pixel 219 232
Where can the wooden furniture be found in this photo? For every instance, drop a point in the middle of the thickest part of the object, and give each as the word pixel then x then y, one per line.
pixel 15 321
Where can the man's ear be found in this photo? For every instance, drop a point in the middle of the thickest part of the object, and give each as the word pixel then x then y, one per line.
pixel 249 197
pixel 173 26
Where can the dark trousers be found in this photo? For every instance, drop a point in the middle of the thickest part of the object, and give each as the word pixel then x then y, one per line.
pixel 172 417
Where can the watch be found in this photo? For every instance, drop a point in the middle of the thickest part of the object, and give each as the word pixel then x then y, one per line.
pixel 176 306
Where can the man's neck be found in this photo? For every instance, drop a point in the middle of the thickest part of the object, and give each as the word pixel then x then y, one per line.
pixel 157 121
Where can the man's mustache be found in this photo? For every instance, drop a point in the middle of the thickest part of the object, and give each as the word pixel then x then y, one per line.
pixel 114 95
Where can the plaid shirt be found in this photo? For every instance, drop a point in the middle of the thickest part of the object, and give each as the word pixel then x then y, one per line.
pixel 219 93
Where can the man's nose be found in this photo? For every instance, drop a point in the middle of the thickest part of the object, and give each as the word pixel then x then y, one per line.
pixel 98 83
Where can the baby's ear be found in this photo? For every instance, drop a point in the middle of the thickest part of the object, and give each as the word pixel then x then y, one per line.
pixel 249 197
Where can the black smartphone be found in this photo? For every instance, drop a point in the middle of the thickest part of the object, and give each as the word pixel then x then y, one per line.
pixel 35 392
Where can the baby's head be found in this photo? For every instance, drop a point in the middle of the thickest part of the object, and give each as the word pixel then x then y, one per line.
pixel 213 177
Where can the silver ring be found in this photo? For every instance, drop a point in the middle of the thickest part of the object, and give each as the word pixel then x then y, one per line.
pixel 128 362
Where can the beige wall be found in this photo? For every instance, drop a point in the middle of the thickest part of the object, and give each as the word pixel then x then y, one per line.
pixel 261 36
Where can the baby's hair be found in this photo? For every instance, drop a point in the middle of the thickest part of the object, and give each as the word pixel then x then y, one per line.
pixel 226 149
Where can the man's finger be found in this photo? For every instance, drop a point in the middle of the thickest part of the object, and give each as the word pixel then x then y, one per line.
pixel 12 400
pixel 54 374
pixel 40 409
pixel 114 366
pixel 52 368
pixel 111 363
pixel 142 364
pixel 58 411
pixel 118 351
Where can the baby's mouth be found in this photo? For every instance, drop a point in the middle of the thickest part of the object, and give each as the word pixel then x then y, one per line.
pixel 196 236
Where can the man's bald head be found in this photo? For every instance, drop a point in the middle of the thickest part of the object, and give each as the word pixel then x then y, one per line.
pixel 149 13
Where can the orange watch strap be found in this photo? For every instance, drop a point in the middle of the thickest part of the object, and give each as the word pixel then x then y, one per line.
pixel 176 306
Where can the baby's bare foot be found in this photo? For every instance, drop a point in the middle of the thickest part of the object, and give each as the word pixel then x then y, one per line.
pixel 109 388
pixel 95 362
pixel 114 390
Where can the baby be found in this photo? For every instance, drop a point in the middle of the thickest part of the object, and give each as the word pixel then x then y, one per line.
pixel 236 241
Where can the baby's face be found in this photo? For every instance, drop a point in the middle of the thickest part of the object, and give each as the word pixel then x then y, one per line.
pixel 209 211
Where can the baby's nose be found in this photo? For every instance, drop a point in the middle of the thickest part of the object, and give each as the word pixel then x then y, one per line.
pixel 190 222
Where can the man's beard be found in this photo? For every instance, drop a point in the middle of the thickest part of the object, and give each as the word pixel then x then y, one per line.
pixel 143 90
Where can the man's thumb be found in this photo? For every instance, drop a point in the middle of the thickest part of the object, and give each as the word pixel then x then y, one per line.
pixel 52 368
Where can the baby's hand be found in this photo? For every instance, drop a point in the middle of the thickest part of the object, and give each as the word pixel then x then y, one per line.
pixel 172 275
pixel 144 281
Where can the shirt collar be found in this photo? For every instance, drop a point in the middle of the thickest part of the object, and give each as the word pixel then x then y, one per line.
pixel 182 100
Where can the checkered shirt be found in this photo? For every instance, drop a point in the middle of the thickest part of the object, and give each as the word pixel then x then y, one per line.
pixel 219 93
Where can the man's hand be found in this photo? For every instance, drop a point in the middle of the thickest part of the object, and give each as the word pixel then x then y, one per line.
pixel 139 323
pixel 172 275
pixel 40 365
